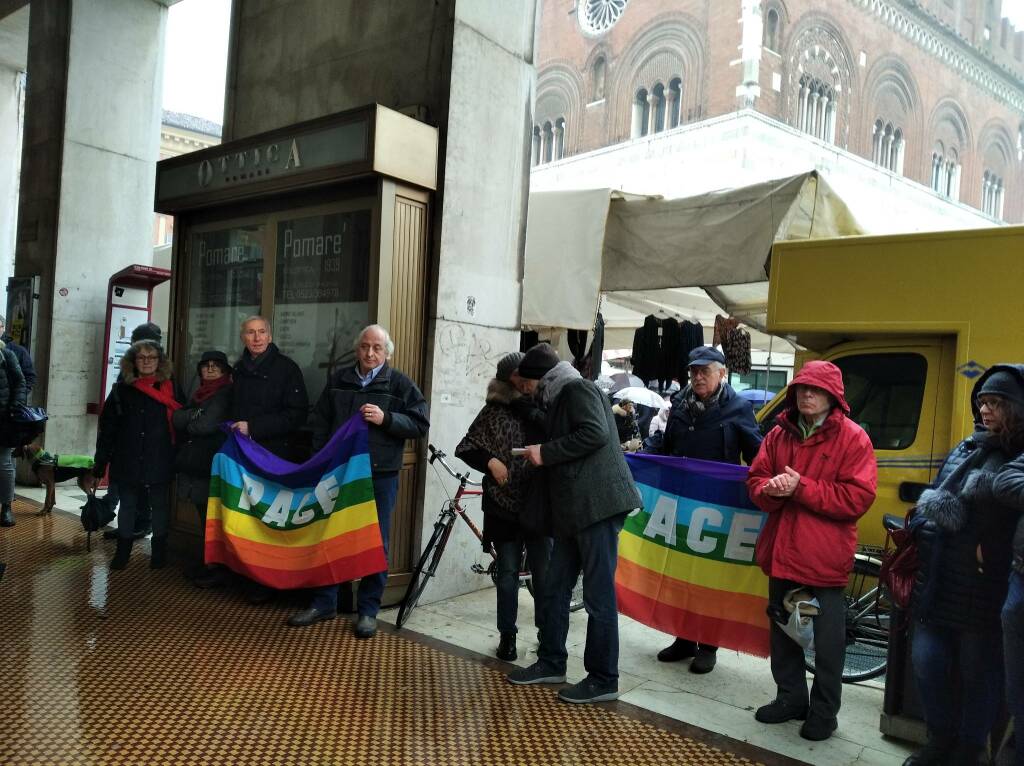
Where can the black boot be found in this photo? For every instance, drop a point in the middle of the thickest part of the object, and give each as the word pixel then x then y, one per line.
pixel 158 552
pixel 124 552
pixel 506 647
pixel 936 752
pixel 6 515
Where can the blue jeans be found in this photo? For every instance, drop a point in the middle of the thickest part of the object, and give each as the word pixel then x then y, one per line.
pixel 980 670
pixel 1013 652
pixel 595 551
pixel 371 587
pixel 538 553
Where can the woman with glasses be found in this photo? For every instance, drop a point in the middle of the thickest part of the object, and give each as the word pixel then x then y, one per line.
pixel 198 426
pixel 964 535
pixel 136 441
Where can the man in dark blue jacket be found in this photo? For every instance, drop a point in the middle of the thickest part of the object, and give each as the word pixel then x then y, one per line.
pixel 24 358
pixel 708 421
pixel 395 410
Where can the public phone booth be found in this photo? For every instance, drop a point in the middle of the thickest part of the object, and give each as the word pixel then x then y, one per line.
pixel 129 304
pixel 322 227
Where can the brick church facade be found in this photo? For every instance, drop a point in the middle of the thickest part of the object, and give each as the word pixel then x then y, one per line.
pixel 932 91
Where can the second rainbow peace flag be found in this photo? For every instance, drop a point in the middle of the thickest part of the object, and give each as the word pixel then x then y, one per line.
pixel 295 526
pixel 686 561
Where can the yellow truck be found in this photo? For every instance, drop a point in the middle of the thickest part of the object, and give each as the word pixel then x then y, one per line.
pixel 912 321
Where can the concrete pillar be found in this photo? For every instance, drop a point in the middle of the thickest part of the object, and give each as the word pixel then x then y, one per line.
pixel 652 113
pixel 636 126
pixel 92 122
pixel 12 100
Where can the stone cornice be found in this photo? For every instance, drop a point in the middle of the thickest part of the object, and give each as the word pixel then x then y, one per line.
pixel 918 27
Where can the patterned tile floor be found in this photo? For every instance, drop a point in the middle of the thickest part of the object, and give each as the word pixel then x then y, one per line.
pixel 138 667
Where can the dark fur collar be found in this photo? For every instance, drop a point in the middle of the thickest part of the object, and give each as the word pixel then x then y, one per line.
pixel 500 392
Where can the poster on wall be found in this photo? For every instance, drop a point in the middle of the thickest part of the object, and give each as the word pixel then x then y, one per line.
pixel 129 309
pixel 321 291
pixel 20 304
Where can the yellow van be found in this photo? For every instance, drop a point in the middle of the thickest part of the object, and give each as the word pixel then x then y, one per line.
pixel 912 321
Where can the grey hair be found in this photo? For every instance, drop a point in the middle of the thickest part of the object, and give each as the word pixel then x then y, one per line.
pixel 253 318
pixel 388 343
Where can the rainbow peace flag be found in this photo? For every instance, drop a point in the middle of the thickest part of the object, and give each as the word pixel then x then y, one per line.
pixel 686 561
pixel 295 526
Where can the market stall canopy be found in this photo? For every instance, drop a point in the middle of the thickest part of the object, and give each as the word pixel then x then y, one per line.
pixel 580 244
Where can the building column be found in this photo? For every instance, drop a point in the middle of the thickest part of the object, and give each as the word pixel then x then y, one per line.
pixel 812 113
pixel 86 203
pixel 671 109
pixel 652 113
pixel 535 147
pixel 558 141
pixel 12 101
pixel 636 124
pixel 802 108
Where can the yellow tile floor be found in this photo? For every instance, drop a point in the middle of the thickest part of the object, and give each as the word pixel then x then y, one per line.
pixel 139 667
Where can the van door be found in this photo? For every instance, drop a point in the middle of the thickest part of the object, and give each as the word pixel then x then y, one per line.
pixel 894 389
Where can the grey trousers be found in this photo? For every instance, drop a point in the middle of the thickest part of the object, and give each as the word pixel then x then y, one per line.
pixel 6 475
pixel 787 655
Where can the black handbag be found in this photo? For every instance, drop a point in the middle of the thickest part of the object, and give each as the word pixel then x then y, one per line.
pixel 21 424
pixel 96 514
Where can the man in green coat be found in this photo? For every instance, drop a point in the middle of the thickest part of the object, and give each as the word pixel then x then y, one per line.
pixel 590 492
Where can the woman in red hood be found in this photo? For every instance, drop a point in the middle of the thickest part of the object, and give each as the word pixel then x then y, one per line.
pixel 814 476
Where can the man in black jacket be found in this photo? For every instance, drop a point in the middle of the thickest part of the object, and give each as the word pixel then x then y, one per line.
pixel 395 410
pixel 708 421
pixel 269 396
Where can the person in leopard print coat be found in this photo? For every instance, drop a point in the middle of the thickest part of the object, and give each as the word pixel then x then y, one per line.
pixel 511 488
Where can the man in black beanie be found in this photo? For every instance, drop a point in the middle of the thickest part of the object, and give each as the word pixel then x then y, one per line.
pixel 590 491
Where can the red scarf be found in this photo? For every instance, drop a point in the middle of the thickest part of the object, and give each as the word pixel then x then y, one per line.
pixel 149 386
pixel 208 388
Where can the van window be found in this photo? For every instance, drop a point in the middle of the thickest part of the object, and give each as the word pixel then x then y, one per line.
pixel 885 392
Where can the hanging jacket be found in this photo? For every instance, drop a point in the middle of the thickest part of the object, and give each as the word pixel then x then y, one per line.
pixel 811 536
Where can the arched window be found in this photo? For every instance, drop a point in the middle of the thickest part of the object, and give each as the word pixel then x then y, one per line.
pixel 675 102
pixel 597 79
pixel 659 107
pixel 771 30
pixel 641 114
pixel 887 146
pixel 992 194
pixel 817 109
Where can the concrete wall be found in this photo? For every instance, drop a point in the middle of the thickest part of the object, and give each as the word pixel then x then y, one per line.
pixel 91 137
pixel 468 65
pixel 11 103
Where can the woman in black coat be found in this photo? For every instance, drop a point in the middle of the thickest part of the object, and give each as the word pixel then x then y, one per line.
pixel 964 536
pixel 12 393
pixel 198 425
pixel 136 441
pixel 510 484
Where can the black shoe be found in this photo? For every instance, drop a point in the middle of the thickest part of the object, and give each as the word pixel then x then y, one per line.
pixel 537 673
pixel 123 553
pixel 705 659
pixel 257 594
pixel 158 553
pixel 780 711
pixel 818 728
pixel 935 753
pixel 366 626
pixel 6 515
pixel 109 534
pixel 681 649
pixel 309 616
pixel 506 647
pixel 589 690
pixel 211 578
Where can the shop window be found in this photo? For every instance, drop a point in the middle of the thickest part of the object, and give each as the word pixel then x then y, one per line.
pixel 225 285
pixel 321 291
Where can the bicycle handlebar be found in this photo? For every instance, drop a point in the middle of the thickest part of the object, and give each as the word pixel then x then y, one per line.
pixel 439 455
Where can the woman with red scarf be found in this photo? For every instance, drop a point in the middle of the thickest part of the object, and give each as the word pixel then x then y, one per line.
pixel 136 441
pixel 198 425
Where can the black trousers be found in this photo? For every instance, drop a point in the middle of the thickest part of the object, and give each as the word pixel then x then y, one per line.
pixel 787 656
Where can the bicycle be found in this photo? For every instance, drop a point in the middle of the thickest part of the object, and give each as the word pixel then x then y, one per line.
pixel 868 617
pixel 453 508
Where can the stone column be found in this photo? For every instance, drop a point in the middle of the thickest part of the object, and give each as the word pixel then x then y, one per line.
pixel 652 113
pixel 86 207
pixel 12 99
pixel 558 140
pixel 535 147
pixel 801 112
pixel 636 125
pixel 671 109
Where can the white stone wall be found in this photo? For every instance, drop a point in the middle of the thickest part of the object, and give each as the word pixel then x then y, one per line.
pixel 745 148
pixel 11 104
pixel 482 238
pixel 111 134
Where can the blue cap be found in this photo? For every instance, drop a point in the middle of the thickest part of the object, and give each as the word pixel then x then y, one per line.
pixel 705 355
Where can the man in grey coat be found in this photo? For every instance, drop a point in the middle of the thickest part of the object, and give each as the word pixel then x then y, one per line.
pixel 590 491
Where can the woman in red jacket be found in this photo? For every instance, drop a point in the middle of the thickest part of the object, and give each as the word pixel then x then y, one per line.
pixel 814 476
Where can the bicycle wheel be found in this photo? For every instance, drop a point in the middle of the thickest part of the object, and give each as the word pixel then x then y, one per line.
pixel 867 625
pixel 424 569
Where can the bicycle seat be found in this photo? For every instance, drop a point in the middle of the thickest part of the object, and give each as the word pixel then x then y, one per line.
pixel 892 522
